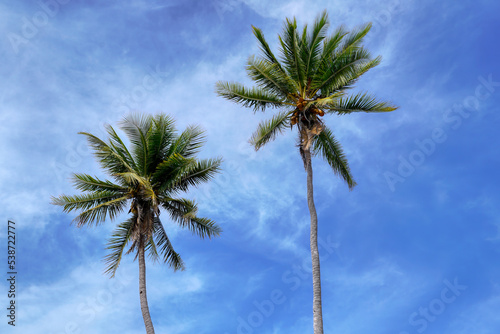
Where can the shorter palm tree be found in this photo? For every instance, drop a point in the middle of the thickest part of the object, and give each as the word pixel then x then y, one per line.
pixel 147 178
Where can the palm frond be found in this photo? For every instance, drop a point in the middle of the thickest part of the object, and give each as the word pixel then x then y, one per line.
pixel 266 50
pixel 137 128
pixel 330 44
pixel 199 172
pixel 164 247
pixel 355 38
pixel 151 249
pixel 184 212
pixel 290 49
pixel 268 130
pixel 347 75
pixel 269 77
pixel 161 137
pixel 97 214
pixel 329 148
pixel 256 98
pixel 116 244
pixel 314 43
pixel 119 146
pixel 85 182
pixel 188 143
pixel 345 69
pixel 304 50
pixel 203 227
pixel 84 201
pixel 110 160
pixel 359 102
pixel 170 171
pixel 95 206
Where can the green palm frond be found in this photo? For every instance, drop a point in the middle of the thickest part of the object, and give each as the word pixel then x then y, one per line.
pixel 160 139
pixel 330 44
pixel 348 75
pixel 117 243
pixel 95 206
pixel 313 44
pixel 184 212
pixel 188 143
pixel 119 146
pixel 178 208
pixel 268 76
pixel 265 49
pixel 137 127
pixel 355 38
pixel 169 171
pixel 151 249
pixel 344 69
pixel 290 49
pixel 268 130
pixel 164 247
pixel 112 161
pixel 329 148
pixel 359 102
pixel 256 98
pixel 304 49
pixel 85 182
pixel 203 227
pixel 97 214
pixel 85 201
pixel 199 172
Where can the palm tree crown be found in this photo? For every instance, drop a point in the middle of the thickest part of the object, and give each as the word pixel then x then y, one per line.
pixel 310 79
pixel 147 178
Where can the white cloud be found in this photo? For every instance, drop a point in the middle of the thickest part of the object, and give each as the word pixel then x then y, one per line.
pixel 88 300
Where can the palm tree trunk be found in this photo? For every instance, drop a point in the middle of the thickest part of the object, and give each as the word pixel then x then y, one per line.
pixel 142 290
pixel 316 275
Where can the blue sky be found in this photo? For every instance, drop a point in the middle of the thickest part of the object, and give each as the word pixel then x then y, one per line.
pixel 413 248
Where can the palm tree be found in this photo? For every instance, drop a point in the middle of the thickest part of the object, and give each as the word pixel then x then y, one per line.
pixel 310 79
pixel 148 177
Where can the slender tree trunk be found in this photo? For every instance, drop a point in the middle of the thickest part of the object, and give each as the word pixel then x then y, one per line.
pixel 142 290
pixel 316 275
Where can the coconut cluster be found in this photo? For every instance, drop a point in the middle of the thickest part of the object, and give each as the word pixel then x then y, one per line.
pixel 305 114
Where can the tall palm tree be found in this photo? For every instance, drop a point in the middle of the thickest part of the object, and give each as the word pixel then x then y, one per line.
pixel 147 177
pixel 311 78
